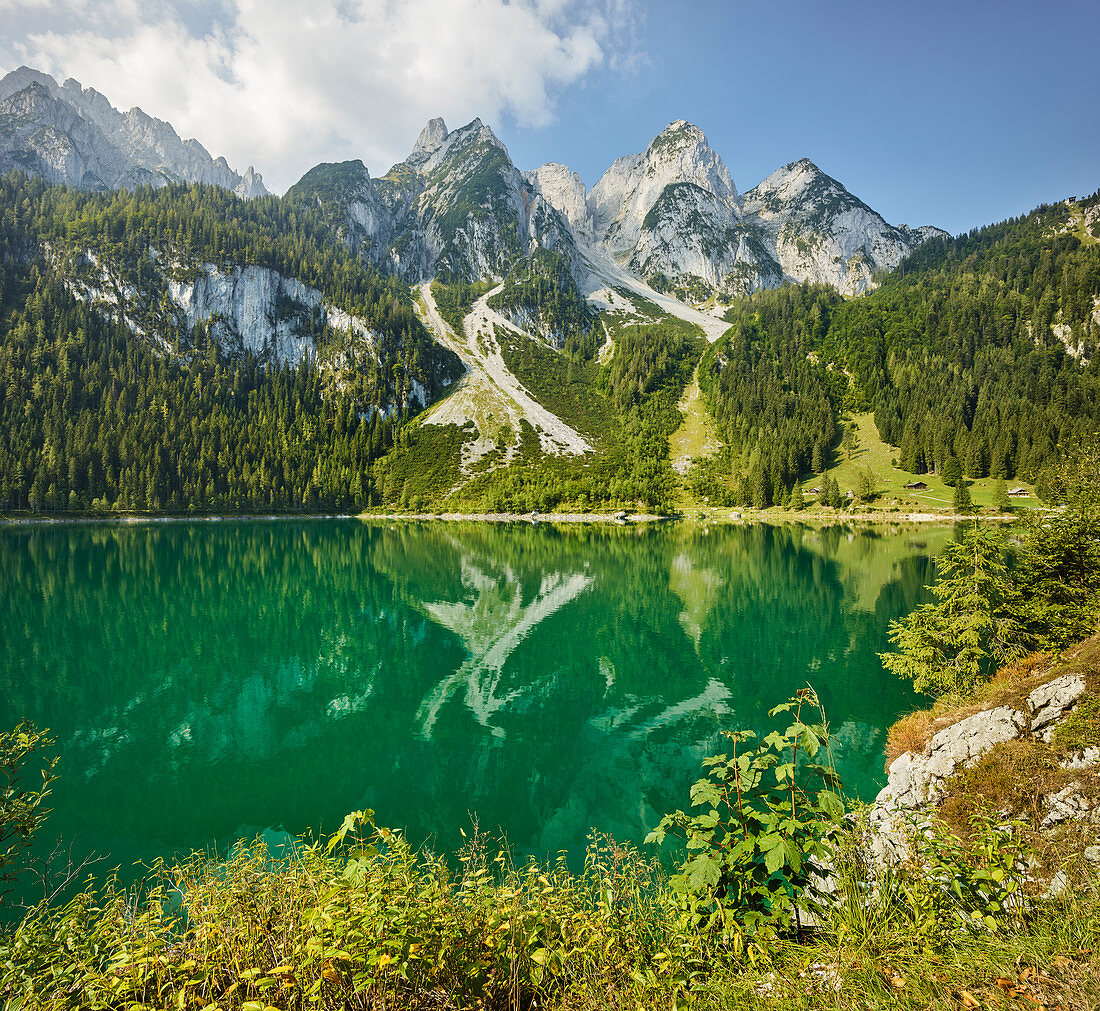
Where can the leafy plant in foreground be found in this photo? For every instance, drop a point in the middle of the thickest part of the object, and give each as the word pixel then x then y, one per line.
pixel 22 805
pixel 761 837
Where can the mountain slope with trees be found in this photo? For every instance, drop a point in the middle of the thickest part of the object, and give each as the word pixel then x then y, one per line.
pixel 977 355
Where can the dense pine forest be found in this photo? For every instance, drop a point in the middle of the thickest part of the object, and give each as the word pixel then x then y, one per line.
pixel 979 349
pixel 95 417
pixel 977 356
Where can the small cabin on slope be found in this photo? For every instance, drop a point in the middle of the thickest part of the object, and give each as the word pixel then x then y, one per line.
pixel 916 486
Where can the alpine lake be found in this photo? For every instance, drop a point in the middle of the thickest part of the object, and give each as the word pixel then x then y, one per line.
pixel 208 681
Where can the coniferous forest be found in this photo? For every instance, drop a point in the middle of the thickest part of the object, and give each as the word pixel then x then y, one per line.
pixel 95 417
pixel 977 354
pixel 979 348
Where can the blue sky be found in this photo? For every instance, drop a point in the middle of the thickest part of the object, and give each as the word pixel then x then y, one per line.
pixel 955 114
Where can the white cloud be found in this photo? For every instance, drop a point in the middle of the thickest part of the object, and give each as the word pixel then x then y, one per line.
pixel 284 84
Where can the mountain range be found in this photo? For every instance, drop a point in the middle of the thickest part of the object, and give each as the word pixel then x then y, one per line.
pixel 459 331
pixel 458 207
pixel 73 135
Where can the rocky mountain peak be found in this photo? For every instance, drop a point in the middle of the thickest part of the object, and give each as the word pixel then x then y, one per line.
pixel 78 138
pixel 251 184
pixel 430 139
pixel 626 193
pixel 564 189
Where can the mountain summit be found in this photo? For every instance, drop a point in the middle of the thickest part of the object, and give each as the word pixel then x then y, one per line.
pixel 673 216
pixel 72 135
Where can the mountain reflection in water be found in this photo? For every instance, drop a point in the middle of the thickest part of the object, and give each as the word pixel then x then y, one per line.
pixel 208 680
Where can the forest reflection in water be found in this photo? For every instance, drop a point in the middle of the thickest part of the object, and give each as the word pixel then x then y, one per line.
pixel 208 680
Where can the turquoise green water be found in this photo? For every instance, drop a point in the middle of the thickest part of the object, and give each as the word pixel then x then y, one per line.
pixel 210 680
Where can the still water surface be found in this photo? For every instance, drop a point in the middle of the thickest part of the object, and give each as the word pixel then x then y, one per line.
pixel 211 680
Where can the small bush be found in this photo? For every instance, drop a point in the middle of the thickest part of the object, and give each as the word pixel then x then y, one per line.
pixel 1022 669
pixel 911 733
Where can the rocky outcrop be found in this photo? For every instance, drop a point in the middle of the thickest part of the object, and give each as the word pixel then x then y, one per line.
pixel 918 781
pixel 1050 701
pixel 72 135
pixel 247 309
pixel 258 310
pixel 562 188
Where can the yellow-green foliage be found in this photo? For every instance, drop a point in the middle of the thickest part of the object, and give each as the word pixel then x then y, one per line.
pixel 361 921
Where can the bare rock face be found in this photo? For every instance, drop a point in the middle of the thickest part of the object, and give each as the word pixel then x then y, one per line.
pixel 820 232
pixel 430 140
pixel 969 739
pixel 673 212
pixel 917 782
pixel 561 187
pixel 1050 701
pixel 626 193
pixel 72 135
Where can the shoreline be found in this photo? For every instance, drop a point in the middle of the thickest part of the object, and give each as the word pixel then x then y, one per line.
pixel 743 517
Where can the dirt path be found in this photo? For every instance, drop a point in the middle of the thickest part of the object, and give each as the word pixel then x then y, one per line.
pixel 489 395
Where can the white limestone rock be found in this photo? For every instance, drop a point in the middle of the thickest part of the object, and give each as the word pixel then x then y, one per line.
pixel 259 310
pixel 430 140
pixel 625 194
pixel 564 189
pixel 966 741
pixel 1048 702
pixel 73 135
pixel 1082 759
pixel 820 232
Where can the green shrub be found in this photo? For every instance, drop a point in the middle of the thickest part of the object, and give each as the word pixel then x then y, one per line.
pixel 762 834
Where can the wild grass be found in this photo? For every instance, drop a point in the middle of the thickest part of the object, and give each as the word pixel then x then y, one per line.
pixel 372 923
pixel 878 458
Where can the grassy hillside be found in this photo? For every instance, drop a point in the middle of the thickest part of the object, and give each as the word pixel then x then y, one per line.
pixel 875 457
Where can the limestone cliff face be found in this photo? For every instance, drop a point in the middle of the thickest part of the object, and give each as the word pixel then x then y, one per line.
pixel 459 208
pixel 673 214
pixel 72 135
pixel 562 188
pixel 259 310
pixel 627 193
pixel 245 309
pixel 818 231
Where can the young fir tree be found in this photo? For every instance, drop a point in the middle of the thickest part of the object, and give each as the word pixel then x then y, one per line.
pixel 851 441
pixel 952 471
pixel 797 500
pixel 1001 500
pixel 1057 583
pixel 962 500
pixel 970 628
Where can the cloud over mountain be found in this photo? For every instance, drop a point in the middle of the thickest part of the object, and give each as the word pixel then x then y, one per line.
pixel 285 85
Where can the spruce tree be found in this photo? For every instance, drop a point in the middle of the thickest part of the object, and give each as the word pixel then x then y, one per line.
pixel 970 628
pixel 952 471
pixel 798 500
pixel 962 502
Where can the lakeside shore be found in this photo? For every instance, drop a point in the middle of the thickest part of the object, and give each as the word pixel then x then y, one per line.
pixel 772 517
